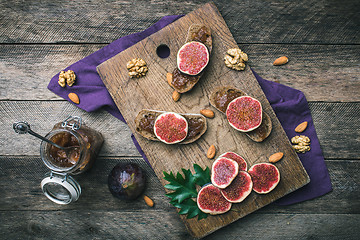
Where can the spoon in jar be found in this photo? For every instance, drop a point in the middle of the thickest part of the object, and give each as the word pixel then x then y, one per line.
pixel 24 127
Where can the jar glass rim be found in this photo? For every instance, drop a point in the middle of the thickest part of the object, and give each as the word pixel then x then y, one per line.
pixel 44 148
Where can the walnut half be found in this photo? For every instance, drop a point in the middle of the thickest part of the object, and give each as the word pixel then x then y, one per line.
pixel 235 59
pixel 302 143
pixel 67 77
pixel 137 68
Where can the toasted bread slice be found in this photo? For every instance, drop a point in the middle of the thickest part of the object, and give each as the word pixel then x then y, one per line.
pixel 147 118
pixel 263 131
pixel 182 82
pixel 194 29
pixel 220 102
pixel 218 99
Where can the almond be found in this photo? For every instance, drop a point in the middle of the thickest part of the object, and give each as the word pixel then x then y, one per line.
pixel 207 113
pixel 148 201
pixel 169 77
pixel 280 61
pixel 276 157
pixel 176 96
pixel 301 127
pixel 74 97
pixel 211 152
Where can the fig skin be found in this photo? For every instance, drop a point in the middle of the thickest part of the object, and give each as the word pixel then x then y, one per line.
pixel 126 181
pixel 220 170
pixel 265 177
pixel 189 63
pixel 237 158
pixel 244 113
pixel 210 200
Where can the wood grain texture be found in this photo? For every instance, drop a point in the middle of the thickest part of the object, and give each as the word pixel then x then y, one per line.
pixel 42 116
pixel 116 219
pixel 144 225
pixel 38 39
pixel 333 121
pixel 25 194
pixel 152 92
pixel 311 69
pixel 329 22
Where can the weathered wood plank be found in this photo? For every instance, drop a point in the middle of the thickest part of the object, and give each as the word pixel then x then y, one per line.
pixel 85 224
pixel 22 175
pixel 42 116
pixel 312 68
pixel 257 21
pixel 336 125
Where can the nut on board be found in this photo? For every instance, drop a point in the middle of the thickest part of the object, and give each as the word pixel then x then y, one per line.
pixel 235 59
pixel 137 68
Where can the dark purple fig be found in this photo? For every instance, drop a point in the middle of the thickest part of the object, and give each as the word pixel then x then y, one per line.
pixel 126 181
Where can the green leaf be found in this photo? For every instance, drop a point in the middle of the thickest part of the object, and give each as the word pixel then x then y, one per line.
pixel 184 189
pixel 202 176
pixel 190 208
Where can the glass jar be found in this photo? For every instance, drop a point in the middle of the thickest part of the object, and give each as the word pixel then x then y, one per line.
pixel 84 145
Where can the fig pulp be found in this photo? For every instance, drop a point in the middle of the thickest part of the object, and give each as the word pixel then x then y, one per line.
pixel 126 181
pixel 265 177
pixel 237 158
pixel 223 172
pixel 192 58
pixel 244 113
pixel 171 127
pixel 210 200
pixel 239 188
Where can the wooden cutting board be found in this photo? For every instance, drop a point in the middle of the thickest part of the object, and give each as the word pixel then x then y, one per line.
pixel 153 92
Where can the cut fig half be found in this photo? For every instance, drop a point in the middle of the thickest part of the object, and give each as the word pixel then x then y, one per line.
pixel 170 127
pixel 220 98
pixel 192 58
pixel 237 158
pixel 145 120
pixel 265 177
pixel 244 113
pixel 210 200
pixel 223 172
pixel 239 188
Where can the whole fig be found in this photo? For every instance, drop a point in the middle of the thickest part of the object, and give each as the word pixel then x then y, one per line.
pixel 126 181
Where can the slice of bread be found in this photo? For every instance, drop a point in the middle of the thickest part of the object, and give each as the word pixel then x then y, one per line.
pixel 263 131
pixel 220 91
pixel 259 134
pixel 192 80
pixel 151 115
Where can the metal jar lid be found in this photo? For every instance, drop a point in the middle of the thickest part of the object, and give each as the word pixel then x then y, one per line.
pixel 60 188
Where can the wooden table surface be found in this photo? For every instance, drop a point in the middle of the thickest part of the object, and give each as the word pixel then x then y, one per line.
pixel 38 39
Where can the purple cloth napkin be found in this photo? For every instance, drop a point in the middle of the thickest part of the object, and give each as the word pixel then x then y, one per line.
pixel 289 104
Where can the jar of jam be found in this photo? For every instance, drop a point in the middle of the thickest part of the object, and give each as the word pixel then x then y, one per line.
pixel 82 145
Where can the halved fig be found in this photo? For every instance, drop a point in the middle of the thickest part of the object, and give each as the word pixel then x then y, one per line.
pixel 170 127
pixel 210 200
pixel 265 177
pixel 239 188
pixel 244 113
pixel 192 58
pixel 223 172
pixel 220 98
pixel 182 82
pixel 237 158
pixel 144 125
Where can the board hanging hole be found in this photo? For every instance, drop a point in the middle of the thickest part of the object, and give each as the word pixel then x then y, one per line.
pixel 163 51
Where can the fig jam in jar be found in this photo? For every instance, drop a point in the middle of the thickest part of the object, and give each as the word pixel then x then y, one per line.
pixel 82 147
